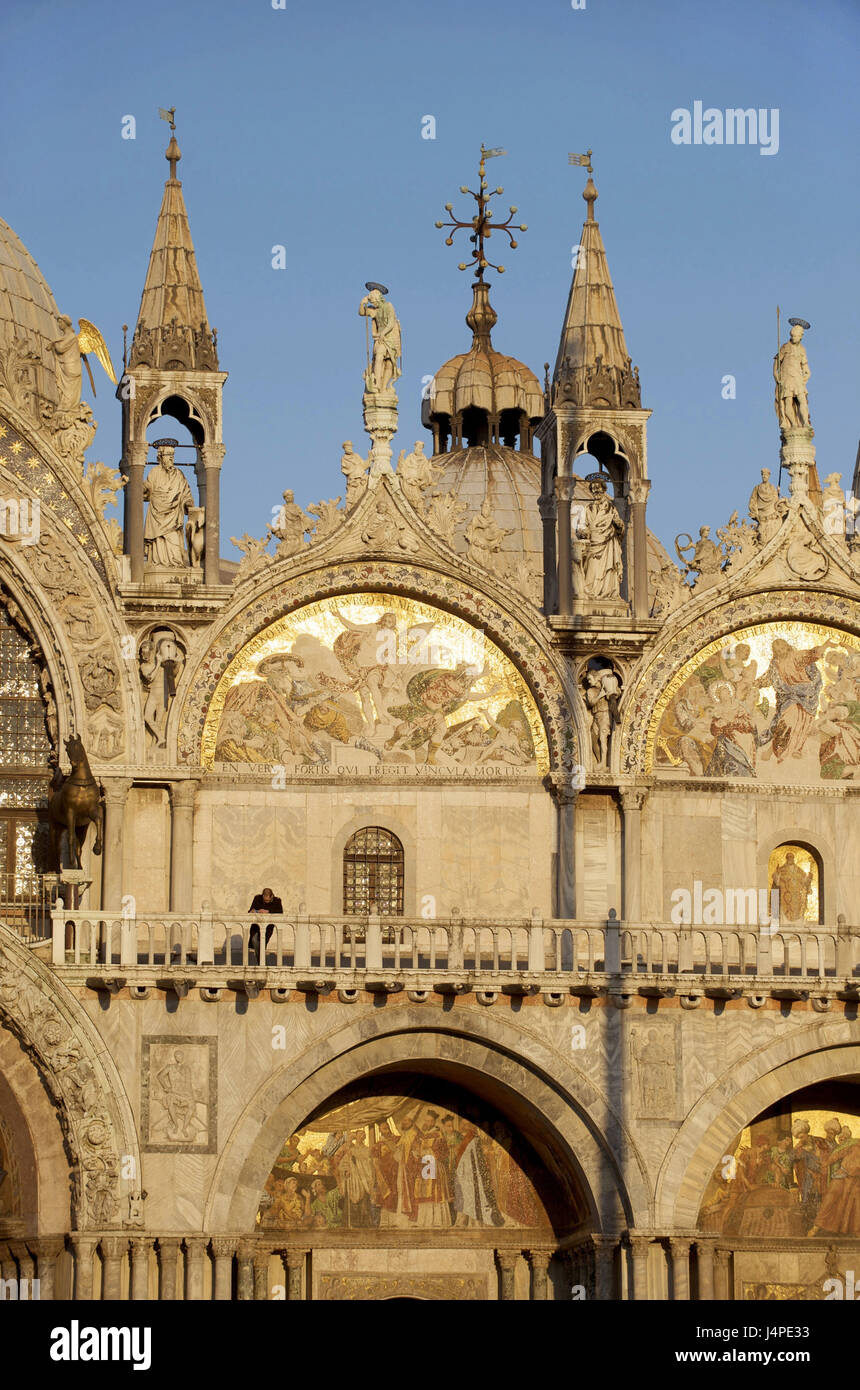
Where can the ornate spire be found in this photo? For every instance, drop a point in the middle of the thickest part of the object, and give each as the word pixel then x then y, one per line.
pixel 593 366
pixel 172 327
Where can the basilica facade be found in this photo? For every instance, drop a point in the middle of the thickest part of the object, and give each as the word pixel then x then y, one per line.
pixel 454 897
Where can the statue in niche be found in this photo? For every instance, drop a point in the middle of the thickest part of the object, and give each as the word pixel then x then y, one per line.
pixel 600 528
pixel 765 509
pixel 602 696
pixel 354 469
pixel 162 662
pixel 289 526
pixel 384 366
pixel 793 885
pixel 485 537
pixel 416 473
pixel 169 497
pixel 791 373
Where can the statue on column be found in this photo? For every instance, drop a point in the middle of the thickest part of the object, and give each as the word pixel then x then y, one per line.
pixel 600 528
pixel 791 373
pixel 384 366
pixel 169 497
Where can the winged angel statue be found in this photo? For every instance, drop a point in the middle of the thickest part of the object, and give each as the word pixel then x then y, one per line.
pixel 70 350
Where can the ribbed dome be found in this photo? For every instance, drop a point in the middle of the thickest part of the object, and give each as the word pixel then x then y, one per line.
pixel 28 314
pixel 511 482
pixel 483 378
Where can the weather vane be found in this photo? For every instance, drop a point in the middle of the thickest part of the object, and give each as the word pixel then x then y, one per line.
pixel 584 160
pixel 481 227
pixel 168 115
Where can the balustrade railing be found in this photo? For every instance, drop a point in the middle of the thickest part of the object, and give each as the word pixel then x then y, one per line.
pixel 27 901
pixel 451 945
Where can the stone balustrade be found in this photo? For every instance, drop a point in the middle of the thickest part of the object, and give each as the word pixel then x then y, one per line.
pixel 456 954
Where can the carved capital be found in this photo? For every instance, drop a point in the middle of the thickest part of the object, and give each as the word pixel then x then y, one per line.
pixel 639 1246
pixel 114 1247
pixel 116 790
pixel 565 784
pixel 213 455
pixel 539 1259
pixel 168 1247
pixel 182 794
pixel 722 1256
pixel 633 799
pixel 639 490
pixel 246 1248
pixel 680 1247
pixel 564 488
pixel 223 1247
pixel 547 508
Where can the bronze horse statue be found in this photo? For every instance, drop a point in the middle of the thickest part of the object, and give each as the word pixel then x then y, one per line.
pixel 75 801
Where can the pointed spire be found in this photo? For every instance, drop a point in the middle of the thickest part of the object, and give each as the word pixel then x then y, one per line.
pixel 593 366
pixel 172 327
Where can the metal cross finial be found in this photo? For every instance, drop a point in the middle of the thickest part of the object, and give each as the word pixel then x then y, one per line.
pixel 481 227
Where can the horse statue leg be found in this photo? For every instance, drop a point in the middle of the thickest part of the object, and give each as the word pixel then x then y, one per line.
pixel 74 846
pixel 98 820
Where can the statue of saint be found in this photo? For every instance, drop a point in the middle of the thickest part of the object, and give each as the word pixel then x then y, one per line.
pixel 601 529
pixel 764 508
pixel 354 469
pixel 791 373
pixel 793 885
pixel 384 368
pixel 67 355
pixel 290 526
pixel 416 473
pixel 169 498
pixel 485 537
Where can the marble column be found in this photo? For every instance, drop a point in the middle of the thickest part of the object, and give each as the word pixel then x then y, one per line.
pixel 223 1249
pixel 116 791
pixel 26 1268
pixel 639 1248
pixel 564 496
pixel 679 1250
pixel 84 1248
pixel 114 1249
pixel 168 1254
pixel 539 1261
pixel 133 520
pixel 213 456
pixel 261 1274
pixel 140 1248
pixel 632 802
pixel 8 1267
pixel 182 795
pixel 641 600
pixel 245 1278
pixel 294 1263
pixel 722 1288
pixel 547 509
pixel 47 1250
pixel 604 1267
pixel 565 787
pixel 507 1262
pixel 195 1249
pixel 705 1267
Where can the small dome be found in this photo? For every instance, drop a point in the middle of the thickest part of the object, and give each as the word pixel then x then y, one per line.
pixel 511 482
pixel 29 320
pixel 481 396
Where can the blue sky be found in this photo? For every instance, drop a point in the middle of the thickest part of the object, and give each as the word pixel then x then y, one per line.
pixel 302 126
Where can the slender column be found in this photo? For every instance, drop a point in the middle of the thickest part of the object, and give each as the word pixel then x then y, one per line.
pixel 565 788
pixel 680 1252
pixel 114 1250
pixel 84 1248
pixel 539 1261
pixel 47 1250
pixel 721 1279
pixel 213 455
pixel 638 496
pixel 133 520
pixel 705 1266
pixel 507 1261
pixel 26 1268
pixel 547 509
pixel 632 803
pixel 182 796
pixel 168 1252
pixel 294 1263
pixel 261 1273
pixel 639 1247
pixel 604 1268
pixel 116 791
pixel 564 497
pixel 245 1280
pixel 195 1248
pixel 140 1248
pixel 223 1248
pixel 8 1267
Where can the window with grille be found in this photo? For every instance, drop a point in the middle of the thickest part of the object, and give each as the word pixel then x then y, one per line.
pixel 24 772
pixel 373 873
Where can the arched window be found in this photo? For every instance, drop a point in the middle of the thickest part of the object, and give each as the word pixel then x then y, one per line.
pixel 794 871
pixel 24 772
pixel 373 873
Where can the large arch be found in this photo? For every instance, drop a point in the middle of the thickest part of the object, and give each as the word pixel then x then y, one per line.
pixel 559 1109
pixel 82 1078
pixel 826 1051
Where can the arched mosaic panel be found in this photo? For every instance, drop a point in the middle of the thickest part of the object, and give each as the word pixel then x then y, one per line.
pixel 375 684
pixel 776 703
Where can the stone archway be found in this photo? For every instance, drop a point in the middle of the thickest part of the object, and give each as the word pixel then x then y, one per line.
pixel 733 1102
pixel 514 1069
pixel 96 1119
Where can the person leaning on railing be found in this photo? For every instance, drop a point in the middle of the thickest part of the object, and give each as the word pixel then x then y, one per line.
pixel 263 902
